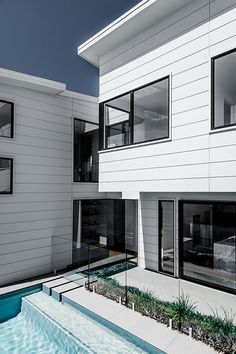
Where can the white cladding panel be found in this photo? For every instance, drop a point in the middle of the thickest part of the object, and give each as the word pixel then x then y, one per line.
pixel 194 159
pixel 36 221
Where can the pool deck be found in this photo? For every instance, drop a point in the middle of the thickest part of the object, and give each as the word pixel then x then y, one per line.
pixel 169 288
pixel 169 341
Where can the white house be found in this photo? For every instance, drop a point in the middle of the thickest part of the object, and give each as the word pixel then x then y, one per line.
pixel 162 187
pixel 168 133
pixel 36 183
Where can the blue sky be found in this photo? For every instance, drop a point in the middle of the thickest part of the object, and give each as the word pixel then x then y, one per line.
pixel 40 37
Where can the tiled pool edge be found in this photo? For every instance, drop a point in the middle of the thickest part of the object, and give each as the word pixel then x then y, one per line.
pixel 139 342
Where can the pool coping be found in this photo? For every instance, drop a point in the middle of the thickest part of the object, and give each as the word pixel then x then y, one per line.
pixel 158 335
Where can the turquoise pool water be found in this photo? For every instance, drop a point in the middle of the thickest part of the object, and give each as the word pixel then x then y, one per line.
pixel 47 326
pixel 10 304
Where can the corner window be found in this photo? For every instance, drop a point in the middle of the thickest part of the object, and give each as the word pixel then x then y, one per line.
pixel 117 122
pixel 6 119
pixel 224 90
pixel 85 151
pixel 139 116
pixel 6 174
pixel 208 243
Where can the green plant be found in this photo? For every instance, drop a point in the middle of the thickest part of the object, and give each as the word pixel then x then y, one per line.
pixel 220 333
pixel 182 309
pixel 224 325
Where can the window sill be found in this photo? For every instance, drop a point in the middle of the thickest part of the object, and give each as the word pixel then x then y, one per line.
pixel 220 130
pixel 136 145
pixel 87 182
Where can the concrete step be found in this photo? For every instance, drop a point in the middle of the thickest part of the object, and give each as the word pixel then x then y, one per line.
pixel 47 286
pixel 59 290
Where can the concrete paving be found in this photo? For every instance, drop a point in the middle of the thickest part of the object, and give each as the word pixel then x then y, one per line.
pixel 169 341
pixel 169 288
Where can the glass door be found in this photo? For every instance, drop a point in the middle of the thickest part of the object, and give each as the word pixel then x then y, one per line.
pixel 166 236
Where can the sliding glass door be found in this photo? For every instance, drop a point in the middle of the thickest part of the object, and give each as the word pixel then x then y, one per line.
pixel 208 243
pixel 166 236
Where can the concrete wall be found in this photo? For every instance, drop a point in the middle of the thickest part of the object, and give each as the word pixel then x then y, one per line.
pixel 181 46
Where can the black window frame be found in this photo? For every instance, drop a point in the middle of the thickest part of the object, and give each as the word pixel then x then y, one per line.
pixel 11 175
pixel 180 244
pixel 213 59
pixel 160 270
pixel 86 121
pixel 12 119
pixel 112 125
pixel 102 127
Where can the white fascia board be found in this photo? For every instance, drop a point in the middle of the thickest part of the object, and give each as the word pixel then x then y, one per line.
pixel 141 17
pixel 79 96
pixel 9 77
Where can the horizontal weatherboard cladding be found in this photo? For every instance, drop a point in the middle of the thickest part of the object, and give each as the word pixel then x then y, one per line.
pixel 182 45
pixel 41 205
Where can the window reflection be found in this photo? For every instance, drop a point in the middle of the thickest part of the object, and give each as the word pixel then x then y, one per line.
pixel 224 90
pixel 209 243
pixel 85 151
pixel 117 122
pixel 6 119
pixel 5 176
pixel 151 112
pixel 108 226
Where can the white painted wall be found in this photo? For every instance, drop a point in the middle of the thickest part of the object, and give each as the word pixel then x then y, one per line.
pixel 195 159
pixel 41 205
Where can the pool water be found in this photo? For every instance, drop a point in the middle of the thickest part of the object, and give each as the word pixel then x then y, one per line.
pixel 109 270
pixel 10 303
pixel 47 326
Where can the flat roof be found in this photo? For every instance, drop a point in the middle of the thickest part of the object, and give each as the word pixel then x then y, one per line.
pixel 15 78
pixel 139 18
pixel 10 77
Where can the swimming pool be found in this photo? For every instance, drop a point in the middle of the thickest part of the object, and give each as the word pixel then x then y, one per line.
pixel 10 303
pixel 47 326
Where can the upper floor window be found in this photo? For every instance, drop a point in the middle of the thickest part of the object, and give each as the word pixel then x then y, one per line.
pixel 224 90
pixel 117 121
pixel 85 151
pixel 6 119
pixel 6 174
pixel 138 116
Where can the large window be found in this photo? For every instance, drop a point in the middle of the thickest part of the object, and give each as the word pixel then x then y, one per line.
pixel 107 226
pixel 208 243
pixel 138 116
pixel 6 173
pixel 85 151
pixel 6 119
pixel 224 90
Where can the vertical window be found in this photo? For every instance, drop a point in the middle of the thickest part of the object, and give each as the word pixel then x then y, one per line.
pixel 85 151
pixel 208 243
pixel 224 90
pixel 6 119
pixel 151 112
pixel 166 237
pixel 117 122
pixel 6 173
pixel 138 116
